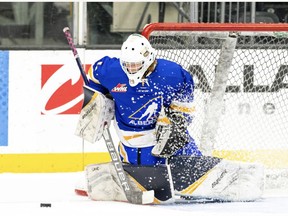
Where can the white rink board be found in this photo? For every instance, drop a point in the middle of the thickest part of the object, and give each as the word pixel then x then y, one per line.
pixel 29 130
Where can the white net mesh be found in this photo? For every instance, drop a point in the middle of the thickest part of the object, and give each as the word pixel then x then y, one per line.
pixel 253 116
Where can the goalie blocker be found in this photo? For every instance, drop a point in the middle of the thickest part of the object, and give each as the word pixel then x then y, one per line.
pixel 97 110
pixel 185 178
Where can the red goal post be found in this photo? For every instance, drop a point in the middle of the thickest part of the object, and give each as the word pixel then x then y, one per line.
pixel 267 27
pixel 246 118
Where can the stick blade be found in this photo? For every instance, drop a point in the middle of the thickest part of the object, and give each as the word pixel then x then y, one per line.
pixel 148 197
pixel 145 197
pixel 81 192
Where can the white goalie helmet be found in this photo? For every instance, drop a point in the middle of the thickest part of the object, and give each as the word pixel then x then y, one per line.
pixel 136 56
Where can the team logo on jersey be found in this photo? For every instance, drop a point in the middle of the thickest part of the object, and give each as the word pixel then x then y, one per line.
pixel 148 113
pixel 120 88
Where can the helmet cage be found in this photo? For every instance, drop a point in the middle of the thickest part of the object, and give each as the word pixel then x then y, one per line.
pixel 137 55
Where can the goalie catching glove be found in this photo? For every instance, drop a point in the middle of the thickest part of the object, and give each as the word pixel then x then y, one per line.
pixel 97 111
pixel 171 133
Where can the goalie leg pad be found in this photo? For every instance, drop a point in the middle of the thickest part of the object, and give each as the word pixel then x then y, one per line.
pixel 103 182
pixel 187 171
pixel 157 178
pixel 230 181
pixel 92 177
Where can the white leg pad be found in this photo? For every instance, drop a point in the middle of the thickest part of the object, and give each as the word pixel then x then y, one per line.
pixel 233 181
pixel 103 183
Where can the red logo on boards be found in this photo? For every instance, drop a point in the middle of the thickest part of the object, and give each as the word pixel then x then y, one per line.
pixel 61 89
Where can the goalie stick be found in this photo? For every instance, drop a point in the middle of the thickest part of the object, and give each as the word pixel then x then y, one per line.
pixel 135 197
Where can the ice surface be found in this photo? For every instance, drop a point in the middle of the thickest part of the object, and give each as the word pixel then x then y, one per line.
pixel 22 194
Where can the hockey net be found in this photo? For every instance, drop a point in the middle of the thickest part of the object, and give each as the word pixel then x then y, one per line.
pixel 241 89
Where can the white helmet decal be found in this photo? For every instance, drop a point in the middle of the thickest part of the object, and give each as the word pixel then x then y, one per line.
pixel 136 56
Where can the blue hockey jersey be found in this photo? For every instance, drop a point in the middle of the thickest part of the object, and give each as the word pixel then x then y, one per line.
pixel 137 108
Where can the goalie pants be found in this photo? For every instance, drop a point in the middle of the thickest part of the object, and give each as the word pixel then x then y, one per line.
pixel 143 156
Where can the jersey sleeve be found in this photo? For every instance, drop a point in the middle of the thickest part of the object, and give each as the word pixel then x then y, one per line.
pixel 184 97
pixel 97 73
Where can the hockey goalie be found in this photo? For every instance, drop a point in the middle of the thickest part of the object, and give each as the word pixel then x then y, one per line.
pixel 152 107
